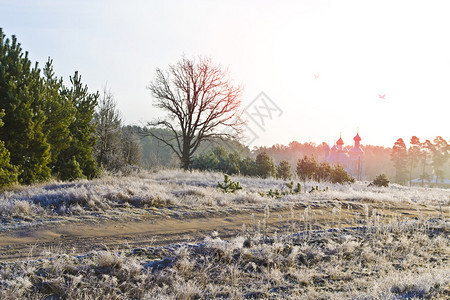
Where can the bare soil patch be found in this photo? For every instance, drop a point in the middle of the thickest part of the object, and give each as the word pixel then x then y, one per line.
pixel 82 235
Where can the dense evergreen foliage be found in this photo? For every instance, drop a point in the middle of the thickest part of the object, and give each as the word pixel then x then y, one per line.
pixel 284 170
pixel 22 98
pixel 8 173
pixel 264 165
pixel 48 128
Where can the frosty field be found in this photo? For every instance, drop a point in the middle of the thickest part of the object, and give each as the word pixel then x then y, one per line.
pixel 175 234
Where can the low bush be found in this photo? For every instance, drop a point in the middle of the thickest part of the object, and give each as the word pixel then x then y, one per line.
pixel 381 181
pixel 228 185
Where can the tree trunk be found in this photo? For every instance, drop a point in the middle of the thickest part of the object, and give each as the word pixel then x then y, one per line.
pixel 185 156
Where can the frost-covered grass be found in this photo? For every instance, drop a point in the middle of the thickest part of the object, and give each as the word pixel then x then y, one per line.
pixel 388 258
pixel 396 261
pixel 176 189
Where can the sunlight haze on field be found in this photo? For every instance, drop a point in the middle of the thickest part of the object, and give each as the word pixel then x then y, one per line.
pixel 330 67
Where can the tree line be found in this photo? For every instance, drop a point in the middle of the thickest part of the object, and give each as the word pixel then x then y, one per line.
pixel 307 168
pixel 50 129
pixel 427 159
pixel 378 158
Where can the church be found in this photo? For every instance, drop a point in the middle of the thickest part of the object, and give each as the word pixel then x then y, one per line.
pixel 352 160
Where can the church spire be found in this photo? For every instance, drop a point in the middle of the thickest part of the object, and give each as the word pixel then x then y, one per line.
pixel 357 139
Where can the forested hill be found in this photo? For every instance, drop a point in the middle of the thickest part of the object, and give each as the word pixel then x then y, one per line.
pixel 155 153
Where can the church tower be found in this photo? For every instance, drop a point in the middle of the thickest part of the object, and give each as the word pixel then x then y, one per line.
pixel 357 159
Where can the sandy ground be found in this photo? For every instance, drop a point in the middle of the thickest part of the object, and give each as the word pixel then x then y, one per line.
pixel 81 236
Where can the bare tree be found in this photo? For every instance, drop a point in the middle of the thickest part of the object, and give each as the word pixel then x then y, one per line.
pixel 131 147
pixel 201 104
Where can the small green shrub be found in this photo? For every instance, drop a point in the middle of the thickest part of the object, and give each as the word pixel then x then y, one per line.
pixel 316 189
pixel 228 185
pixel 278 194
pixel 292 190
pixel 380 180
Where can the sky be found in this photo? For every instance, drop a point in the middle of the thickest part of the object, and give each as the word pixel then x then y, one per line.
pixel 324 68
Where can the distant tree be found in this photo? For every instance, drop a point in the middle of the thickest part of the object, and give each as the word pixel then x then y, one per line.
pixel 440 153
pixel 218 159
pixel 201 104
pixel 131 146
pixel 264 165
pixel 230 164
pixel 424 159
pixel 154 152
pixel 248 167
pixel 207 161
pixel 307 168
pixel 413 155
pixel 339 175
pixel 108 150
pixel 324 172
pixel 284 170
pixel 399 157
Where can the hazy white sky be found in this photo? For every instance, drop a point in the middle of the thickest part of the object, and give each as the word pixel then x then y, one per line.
pixel 359 50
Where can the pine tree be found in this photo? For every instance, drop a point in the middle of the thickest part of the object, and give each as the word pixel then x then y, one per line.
pixel 21 97
pixel 399 158
pixel 307 168
pixel 284 170
pixel 424 159
pixel 413 154
pixel 440 153
pixel 264 165
pixel 248 167
pixel 339 175
pixel 82 132
pixel 60 113
pixel 8 172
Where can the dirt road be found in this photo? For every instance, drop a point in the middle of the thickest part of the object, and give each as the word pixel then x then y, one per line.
pixel 81 237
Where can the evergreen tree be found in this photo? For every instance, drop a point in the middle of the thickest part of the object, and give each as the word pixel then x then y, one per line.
pixel 413 154
pixel 399 158
pixel 207 161
pixel 440 153
pixel 339 175
pixel 424 159
pixel 307 168
pixel 8 173
pixel 82 132
pixel 324 172
pixel 228 162
pixel 284 170
pixel 264 165
pixel 60 113
pixel 21 97
pixel 248 167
